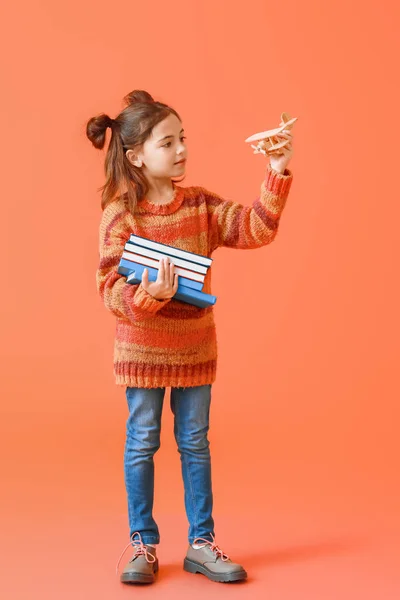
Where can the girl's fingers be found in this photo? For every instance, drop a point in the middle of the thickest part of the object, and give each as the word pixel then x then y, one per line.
pixel 145 280
pixel 288 137
pixel 167 271
pixel 161 271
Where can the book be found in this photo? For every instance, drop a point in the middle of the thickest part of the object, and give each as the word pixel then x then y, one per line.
pixel 179 262
pixel 171 250
pixel 149 262
pixel 126 267
pixel 183 293
pixel 141 252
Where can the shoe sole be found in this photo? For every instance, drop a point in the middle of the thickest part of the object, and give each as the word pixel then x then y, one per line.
pixel 140 577
pixel 192 567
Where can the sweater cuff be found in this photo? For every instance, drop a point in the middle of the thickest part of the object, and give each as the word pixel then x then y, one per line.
pixel 145 301
pixel 278 183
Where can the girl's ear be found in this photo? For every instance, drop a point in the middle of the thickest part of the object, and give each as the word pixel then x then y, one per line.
pixel 131 156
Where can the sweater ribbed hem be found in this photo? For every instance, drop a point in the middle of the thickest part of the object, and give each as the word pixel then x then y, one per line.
pixel 152 376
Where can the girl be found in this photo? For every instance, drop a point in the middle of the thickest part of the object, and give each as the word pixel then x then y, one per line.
pixel 159 341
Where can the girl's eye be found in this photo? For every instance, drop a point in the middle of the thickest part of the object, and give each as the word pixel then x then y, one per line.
pixel 169 143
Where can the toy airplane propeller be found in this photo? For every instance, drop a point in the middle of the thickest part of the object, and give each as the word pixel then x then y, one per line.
pixel 267 142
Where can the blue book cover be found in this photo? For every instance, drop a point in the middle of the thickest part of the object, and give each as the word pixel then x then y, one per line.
pixel 183 293
pixel 126 267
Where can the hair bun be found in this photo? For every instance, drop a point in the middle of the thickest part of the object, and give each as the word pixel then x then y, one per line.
pixel 138 96
pixel 96 129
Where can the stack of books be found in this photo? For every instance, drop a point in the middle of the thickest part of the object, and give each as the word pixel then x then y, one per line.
pixel 140 253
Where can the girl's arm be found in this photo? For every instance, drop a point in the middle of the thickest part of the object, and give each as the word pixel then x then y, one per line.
pixel 124 300
pixel 245 227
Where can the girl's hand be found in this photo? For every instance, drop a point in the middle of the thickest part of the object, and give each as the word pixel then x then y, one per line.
pixel 166 284
pixel 279 162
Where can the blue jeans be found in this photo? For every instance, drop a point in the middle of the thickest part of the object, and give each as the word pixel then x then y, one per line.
pixel 191 409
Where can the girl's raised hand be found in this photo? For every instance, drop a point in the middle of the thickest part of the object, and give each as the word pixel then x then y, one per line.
pixel 166 284
pixel 279 162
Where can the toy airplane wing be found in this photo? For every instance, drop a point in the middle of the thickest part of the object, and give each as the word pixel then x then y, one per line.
pixel 272 132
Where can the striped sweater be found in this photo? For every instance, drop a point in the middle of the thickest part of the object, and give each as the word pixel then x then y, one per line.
pixel 160 343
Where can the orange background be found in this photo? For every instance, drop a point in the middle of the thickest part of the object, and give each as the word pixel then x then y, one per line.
pixel 305 410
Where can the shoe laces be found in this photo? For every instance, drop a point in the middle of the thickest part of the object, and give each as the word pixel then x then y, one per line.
pixel 214 547
pixel 140 549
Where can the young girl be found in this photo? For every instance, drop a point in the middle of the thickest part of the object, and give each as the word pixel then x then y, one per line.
pixel 161 341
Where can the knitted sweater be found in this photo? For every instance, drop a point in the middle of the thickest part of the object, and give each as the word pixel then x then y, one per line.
pixel 160 343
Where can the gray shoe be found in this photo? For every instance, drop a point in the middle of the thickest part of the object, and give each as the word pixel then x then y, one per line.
pixel 212 562
pixel 143 566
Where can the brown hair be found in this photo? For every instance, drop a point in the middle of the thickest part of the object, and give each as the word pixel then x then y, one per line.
pixel 129 130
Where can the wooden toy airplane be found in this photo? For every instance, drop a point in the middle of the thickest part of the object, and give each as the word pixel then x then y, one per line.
pixel 267 142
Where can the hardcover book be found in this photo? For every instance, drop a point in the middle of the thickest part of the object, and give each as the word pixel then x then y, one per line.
pixel 171 250
pixel 126 267
pixel 183 293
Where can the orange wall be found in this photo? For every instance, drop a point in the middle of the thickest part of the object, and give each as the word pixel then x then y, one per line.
pixel 306 403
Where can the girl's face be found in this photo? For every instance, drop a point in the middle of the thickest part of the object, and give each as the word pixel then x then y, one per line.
pixel 163 150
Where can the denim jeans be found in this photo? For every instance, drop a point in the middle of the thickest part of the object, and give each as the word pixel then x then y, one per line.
pixel 191 409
